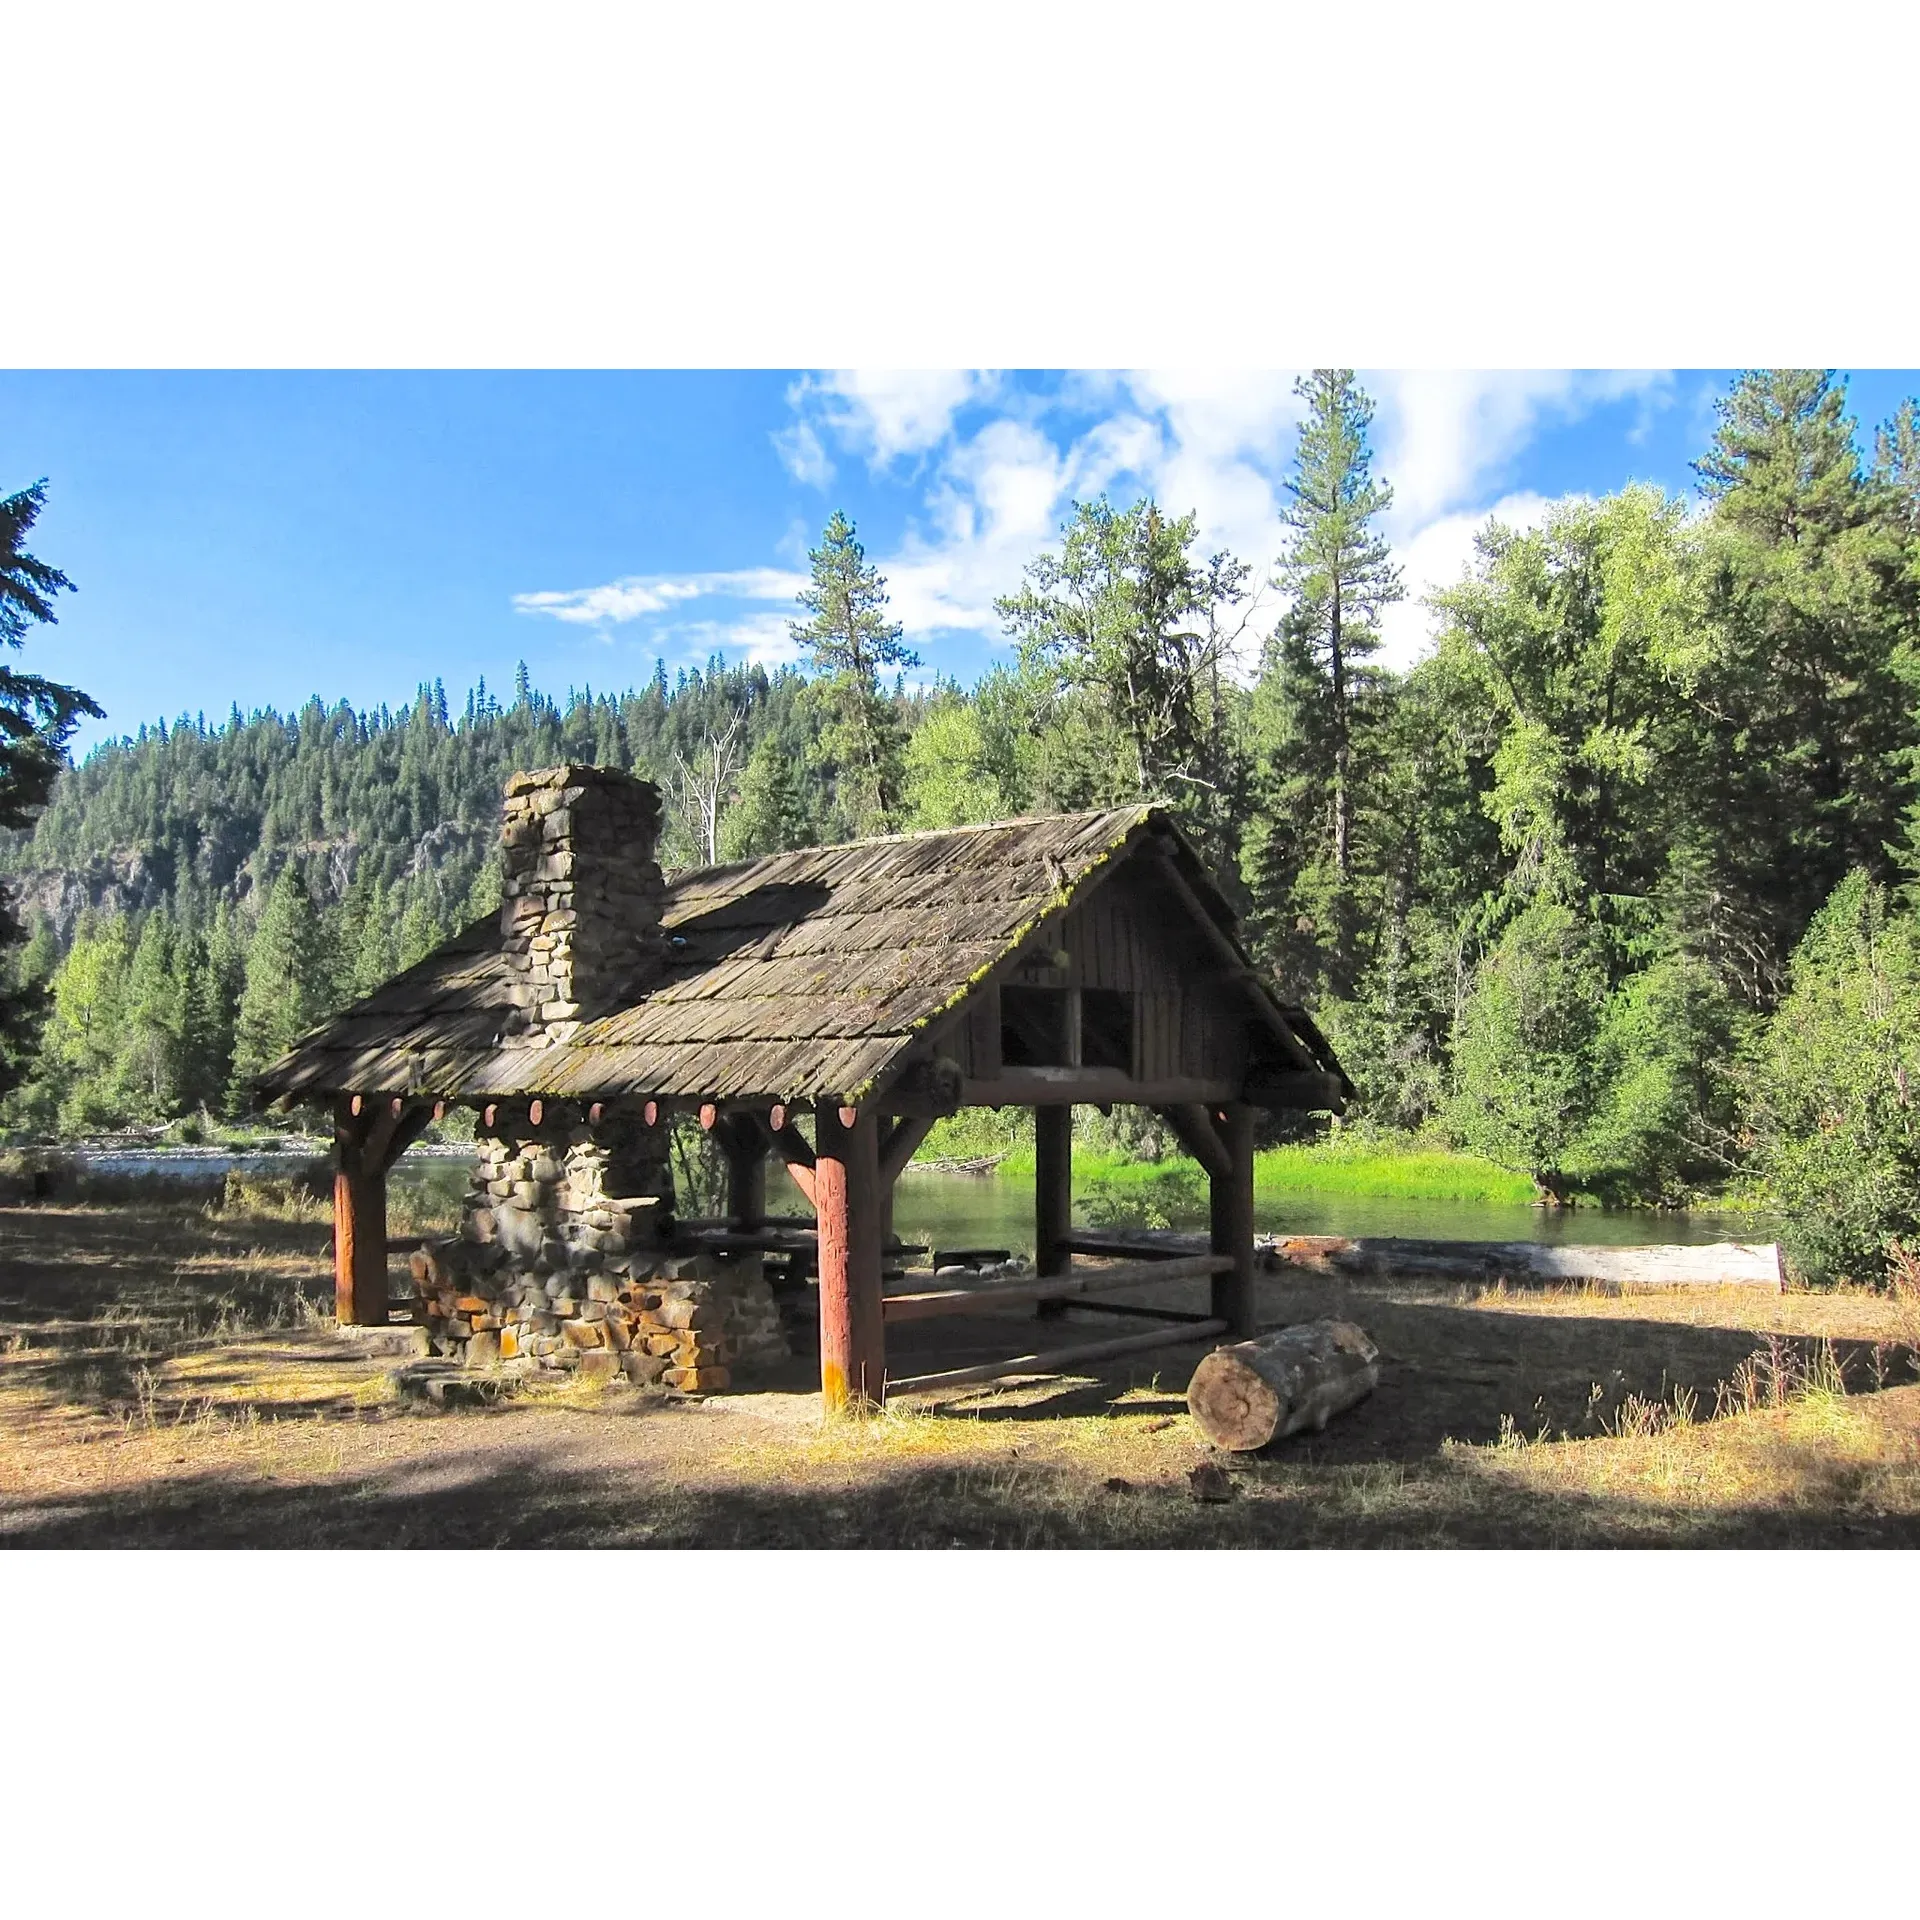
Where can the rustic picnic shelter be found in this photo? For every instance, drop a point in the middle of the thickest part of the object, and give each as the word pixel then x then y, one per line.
pixel 1048 962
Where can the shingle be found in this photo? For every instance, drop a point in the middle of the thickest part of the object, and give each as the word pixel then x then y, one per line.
pixel 803 975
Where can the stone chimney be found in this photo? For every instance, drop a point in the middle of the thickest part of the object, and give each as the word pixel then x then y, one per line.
pixel 580 904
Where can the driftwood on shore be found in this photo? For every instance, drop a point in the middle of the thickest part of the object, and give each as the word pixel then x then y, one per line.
pixel 1242 1397
pixel 1726 1263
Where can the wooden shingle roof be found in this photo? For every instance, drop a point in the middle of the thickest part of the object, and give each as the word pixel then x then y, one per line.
pixel 805 975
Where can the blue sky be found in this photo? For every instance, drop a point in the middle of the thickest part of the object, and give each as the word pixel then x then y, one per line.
pixel 259 537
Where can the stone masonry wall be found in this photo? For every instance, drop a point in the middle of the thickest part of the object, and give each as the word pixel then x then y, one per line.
pixel 581 894
pixel 561 1261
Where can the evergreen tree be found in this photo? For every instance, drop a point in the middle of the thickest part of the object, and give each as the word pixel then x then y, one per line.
pixel 1522 1067
pixel 37 718
pixel 1338 570
pixel 421 930
pixel 1124 639
pixel 770 814
pixel 1804 724
pixel 851 639
pixel 151 1028
pixel 287 982
pixel 1317 702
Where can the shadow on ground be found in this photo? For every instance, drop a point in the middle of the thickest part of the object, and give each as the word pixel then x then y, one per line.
pixel 530 1501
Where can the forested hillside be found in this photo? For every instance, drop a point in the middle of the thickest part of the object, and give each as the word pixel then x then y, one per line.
pixel 1586 888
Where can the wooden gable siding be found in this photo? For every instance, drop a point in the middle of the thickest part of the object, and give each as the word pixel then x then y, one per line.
pixel 1188 1023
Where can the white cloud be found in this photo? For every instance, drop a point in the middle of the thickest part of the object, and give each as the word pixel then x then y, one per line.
pixel 640 595
pixel 802 454
pixel 1440 435
pixel 760 639
pixel 996 469
pixel 1437 557
pixel 888 415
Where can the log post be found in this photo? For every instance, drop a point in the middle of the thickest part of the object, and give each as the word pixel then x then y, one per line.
pixel 1230 1192
pixel 359 1224
pixel 898 1146
pixel 746 1153
pixel 1052 1197
pixel 846 1198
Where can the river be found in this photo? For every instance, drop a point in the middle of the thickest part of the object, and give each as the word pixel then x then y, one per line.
pixel 994 1210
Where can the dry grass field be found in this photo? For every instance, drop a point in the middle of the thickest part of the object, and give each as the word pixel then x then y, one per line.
pixel 169 1376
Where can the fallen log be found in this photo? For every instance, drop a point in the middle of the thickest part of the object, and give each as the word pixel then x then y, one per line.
pixel 1727 1263
pixel 1242 1397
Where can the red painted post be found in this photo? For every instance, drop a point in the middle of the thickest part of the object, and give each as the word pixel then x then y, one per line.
pixel 846 1199
pixel 359 1232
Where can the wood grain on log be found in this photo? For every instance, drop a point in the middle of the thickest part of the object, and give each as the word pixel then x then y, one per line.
pixel 1243 1397
pixel 846 1175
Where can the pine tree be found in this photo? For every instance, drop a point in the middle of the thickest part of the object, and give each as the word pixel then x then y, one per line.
pixel 1340 573
pixel 37 719
pixel 152 1026
pixel 286 989
pixel 1805 726
pixel 851 639
pixel 421 929
pixel 1316 704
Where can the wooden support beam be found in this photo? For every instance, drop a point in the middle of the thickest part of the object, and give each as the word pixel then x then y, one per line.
pixel 897 1144
pixel 1052 1195
pixel 1132 1309
pixel 1193 1127
pixel 940 1301
pixel 795 1155
pixel 1144 1243
pixel 746 1154
pixel 1231 1210
pixel 1296 1092
pixel 846 1187
pixel 400 1131
pixel 1068 1086
pixel 1061 1357
pixel 359 1215
pixel 902 1142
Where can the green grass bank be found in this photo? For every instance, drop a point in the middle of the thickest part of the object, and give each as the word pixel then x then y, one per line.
pixel 1371 1169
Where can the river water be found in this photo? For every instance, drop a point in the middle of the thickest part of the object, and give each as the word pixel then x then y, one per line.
pixel 994 1210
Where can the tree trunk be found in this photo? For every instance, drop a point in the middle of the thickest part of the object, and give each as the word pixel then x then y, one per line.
pixel 1342 801
pixel 1245 1396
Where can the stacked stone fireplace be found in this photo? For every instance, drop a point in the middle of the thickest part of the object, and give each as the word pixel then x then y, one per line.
pixel 564 1260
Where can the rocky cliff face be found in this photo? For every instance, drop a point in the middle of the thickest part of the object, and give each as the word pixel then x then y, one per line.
pixel 126 883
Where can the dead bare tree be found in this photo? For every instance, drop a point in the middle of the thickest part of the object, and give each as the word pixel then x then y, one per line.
pixel 704 785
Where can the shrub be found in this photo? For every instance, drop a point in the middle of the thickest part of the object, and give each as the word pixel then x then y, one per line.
pixel 1663 1096
pixel 1836 1132
pixel 1522 1076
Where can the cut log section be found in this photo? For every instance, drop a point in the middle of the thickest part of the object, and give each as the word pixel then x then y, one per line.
pixel 1245 1396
